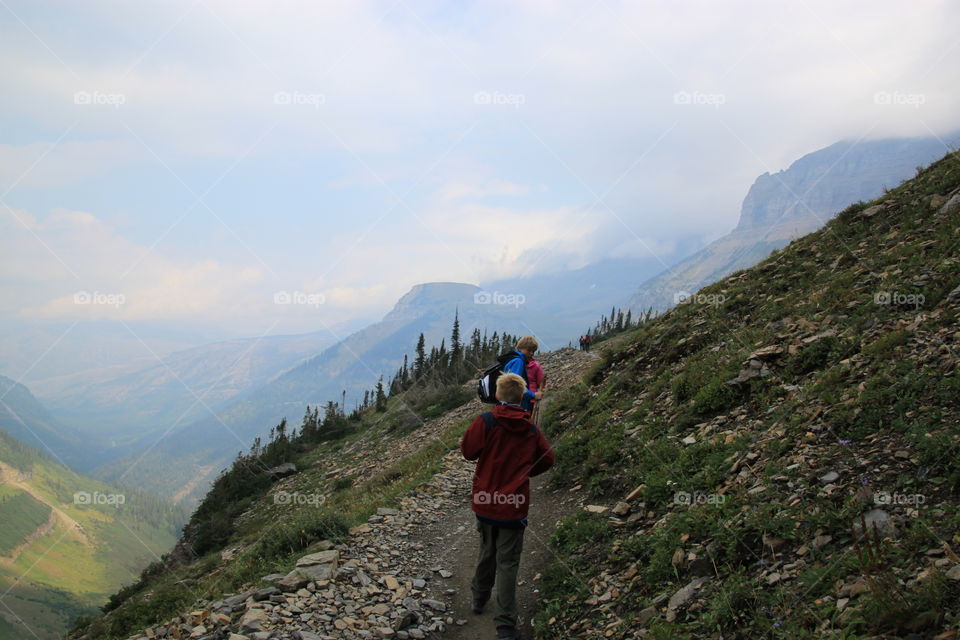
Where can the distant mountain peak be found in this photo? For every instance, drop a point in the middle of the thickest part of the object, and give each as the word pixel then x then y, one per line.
pixel 434 292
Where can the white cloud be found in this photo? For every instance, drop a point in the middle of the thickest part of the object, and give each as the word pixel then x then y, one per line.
pixel 46 164
pixel 86 270
pixel 495 189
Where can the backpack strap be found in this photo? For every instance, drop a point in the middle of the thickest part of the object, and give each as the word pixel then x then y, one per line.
pixel 489 420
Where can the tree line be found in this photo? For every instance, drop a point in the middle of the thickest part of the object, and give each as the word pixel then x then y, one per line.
pixel 428 373
pixel 618 322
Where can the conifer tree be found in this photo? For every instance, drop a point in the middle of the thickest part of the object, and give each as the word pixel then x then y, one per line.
pixel 420 362
pixel 456 348
pixel 381 396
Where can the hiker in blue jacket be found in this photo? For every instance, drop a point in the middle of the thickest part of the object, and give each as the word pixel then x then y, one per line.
pixel 526 347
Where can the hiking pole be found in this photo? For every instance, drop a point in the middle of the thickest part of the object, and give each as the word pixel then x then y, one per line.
pixel 535 418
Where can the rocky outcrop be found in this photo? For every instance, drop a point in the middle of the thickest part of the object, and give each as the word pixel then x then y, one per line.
pixel 282 471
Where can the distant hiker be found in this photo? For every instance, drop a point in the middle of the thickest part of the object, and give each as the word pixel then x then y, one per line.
pixel 583 343
pixel 509 450
pixel 517 362
pixel 587 341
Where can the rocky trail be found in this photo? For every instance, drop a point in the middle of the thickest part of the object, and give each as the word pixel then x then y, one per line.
pixel 405 573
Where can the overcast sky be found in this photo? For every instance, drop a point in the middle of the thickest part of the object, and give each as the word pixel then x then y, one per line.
pixel 196 158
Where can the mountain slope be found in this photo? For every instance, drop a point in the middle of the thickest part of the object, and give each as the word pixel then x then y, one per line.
pixel 23 417
pixel 353 364
pixel 126 403
pixel 790 204
pixel 735 448
pixel 68 541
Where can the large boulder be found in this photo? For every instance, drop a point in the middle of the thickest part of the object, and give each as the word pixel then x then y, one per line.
pixel 321 557
pixel 282 471
pixel 312 567
pixel 253 620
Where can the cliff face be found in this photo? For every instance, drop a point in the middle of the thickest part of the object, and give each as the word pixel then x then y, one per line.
pixel 823 182
pixel 791 203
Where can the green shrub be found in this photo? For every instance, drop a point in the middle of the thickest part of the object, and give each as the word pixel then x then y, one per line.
pixel 296 535
pixel 817 355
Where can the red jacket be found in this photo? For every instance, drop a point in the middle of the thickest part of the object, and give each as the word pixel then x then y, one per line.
pixel 508 454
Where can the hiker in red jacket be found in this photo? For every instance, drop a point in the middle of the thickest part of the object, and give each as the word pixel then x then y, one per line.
pixel 509 450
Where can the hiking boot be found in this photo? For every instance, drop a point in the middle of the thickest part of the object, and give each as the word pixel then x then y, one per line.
pixel 479 602
pixel 508 633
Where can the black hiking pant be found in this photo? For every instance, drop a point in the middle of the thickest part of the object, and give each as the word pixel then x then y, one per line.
pixel 499 561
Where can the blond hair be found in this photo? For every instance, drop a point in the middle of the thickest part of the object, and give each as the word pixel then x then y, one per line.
pixel 528 343
pixel 510 388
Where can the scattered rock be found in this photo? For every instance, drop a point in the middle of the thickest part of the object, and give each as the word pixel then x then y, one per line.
pixel 830 477
pixel 877 518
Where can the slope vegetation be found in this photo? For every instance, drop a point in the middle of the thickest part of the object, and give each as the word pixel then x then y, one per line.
pixel 737 447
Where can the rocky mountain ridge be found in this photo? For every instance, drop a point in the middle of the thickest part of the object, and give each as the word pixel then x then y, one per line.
pixel 791 203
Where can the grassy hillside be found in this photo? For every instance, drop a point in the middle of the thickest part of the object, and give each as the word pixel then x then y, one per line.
pixel 21 515
pixel 732 445
pixel 66 542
